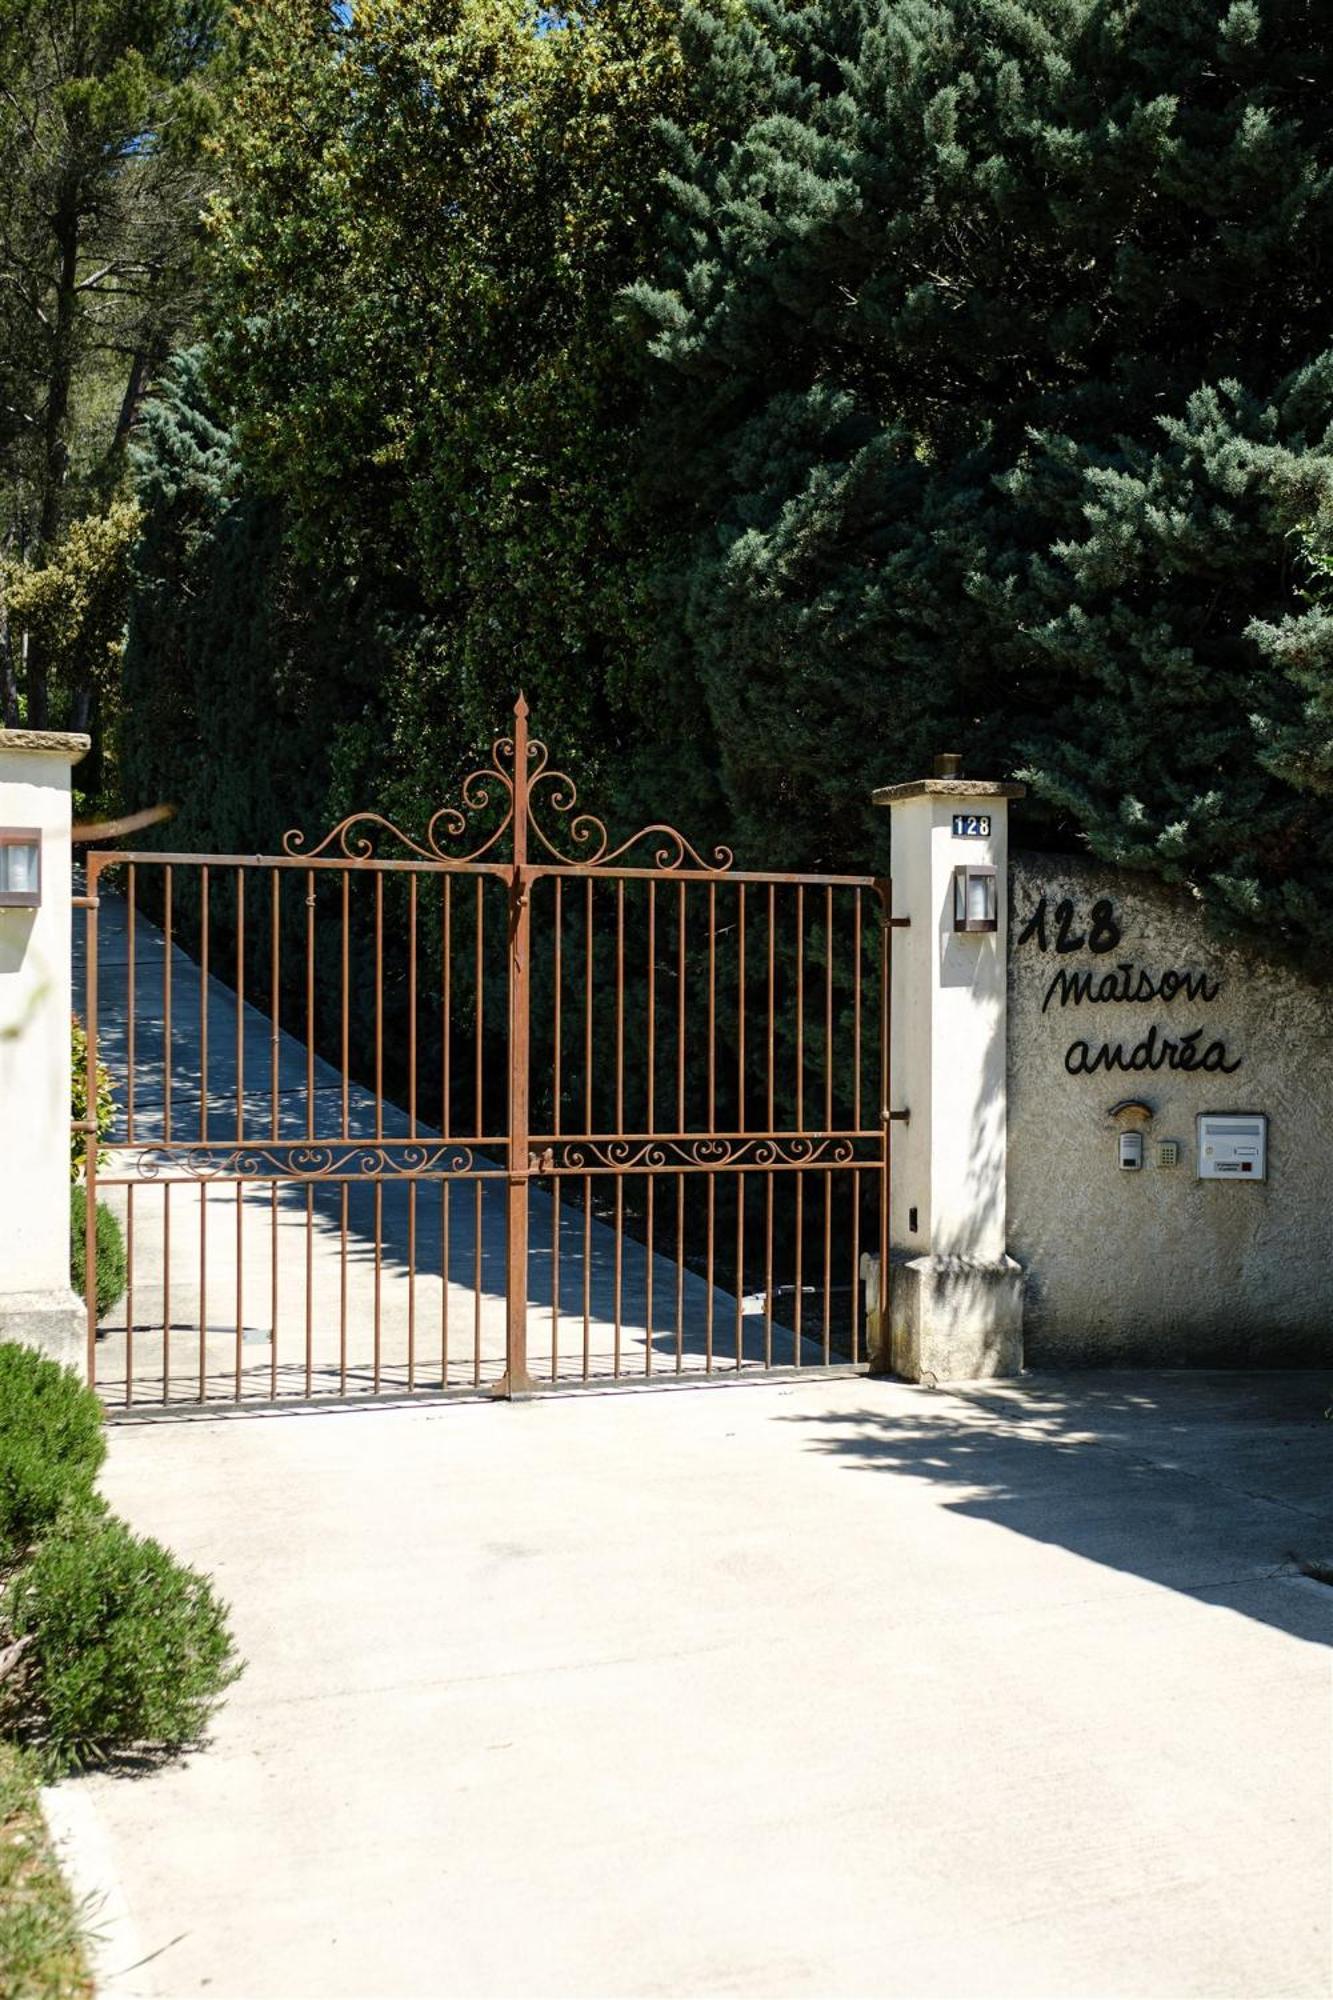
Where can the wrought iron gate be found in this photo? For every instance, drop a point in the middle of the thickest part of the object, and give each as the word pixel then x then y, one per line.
pixel 393 1118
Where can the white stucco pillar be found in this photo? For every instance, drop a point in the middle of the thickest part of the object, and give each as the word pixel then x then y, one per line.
pixel 36 1303
pixel 955 1305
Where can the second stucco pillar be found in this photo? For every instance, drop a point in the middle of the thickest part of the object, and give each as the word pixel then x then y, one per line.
pixel 956 1296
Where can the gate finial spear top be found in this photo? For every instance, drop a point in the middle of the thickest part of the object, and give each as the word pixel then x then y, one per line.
pixel 521 706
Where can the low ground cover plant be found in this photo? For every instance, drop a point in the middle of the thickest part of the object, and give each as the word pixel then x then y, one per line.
pixel 108 1644
pixel 41 1930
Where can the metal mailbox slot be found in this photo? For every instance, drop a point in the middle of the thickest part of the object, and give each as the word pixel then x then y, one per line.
pixel 1233 1145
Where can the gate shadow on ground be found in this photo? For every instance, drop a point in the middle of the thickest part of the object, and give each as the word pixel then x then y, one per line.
pixel 1212 1485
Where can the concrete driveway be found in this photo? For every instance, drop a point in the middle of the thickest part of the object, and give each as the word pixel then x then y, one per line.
pixel 832 1688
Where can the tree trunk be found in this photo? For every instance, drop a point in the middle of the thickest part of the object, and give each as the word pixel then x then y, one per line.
pixel 56 454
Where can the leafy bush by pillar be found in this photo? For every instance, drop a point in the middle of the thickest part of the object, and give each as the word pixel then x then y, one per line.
pixel 111 1256
pixel 128 1647
pixel 51 1445
pixel 78 1100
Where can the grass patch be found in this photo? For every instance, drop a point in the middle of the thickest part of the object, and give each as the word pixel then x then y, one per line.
pixel 41 1933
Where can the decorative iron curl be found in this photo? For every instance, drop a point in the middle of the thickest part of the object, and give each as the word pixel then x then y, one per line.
pixel 586 831
pixel 301 1161
pixel 351 838
pixel 587 840
pixel 709 1154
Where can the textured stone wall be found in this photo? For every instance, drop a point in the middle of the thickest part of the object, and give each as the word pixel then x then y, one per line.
pixel 1116 992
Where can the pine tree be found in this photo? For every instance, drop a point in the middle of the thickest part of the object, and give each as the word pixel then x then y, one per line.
pixel 994 347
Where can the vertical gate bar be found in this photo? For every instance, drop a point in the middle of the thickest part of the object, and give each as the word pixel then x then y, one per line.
pixel 558 947
pixel 379 1004
pixel 166 1004
pixel 90 1136
pixel 446 1092
pixel 648 1280
pixel 772 994
pixel 240 1117
pixel 555 1277
pixel 800 1267
pixel 275 1046
pixel 309 1285
pixel 557 1086
pixel 800 1007
pixel 476 1288
pixel 620 1005
pixel 411 1007
pixel 708 1319
pixel 768 1266
pixel 310 1003
pixel 411 1285
pixel 379 1260
pixel 740 1266
pixel 203 1128
pixel 828 1119
pixel 680 1009
pixel 444 1284
pixel 131 974
pixel 587 1273
pixel 828 1010
pixel 858 961
pixel 480 1012
pixel 680 1272
pixel 827 1261
pixel 619 1271
pixel 203 1287
pixel 273 1290
pixel 516 1380
pixel 342 1293
pixel 346 994
pixel 652 1009
pixel 131 1066
pixel 620 1121
pixel 240 1283
pixel 740 1012
pixel 856 1267
pixel 712 1006
pixel 203 1005
pixel 129 1298
pixel 166 1291
pixel 411 1130
pixel 589 968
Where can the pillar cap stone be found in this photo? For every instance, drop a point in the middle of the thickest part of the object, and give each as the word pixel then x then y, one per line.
pixel 65 743
pixel 947 788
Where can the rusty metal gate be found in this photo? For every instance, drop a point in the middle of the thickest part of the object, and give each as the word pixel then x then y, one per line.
pixel 392 1119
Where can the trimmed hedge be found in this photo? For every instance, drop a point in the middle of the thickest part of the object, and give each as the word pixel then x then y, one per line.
pixel 129 1648
pixel 51 1445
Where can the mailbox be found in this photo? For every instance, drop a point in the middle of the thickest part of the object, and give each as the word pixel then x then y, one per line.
pixel 1233 1145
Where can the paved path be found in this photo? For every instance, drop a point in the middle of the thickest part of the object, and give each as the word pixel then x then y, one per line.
pixel 840 1688
pixel 308 1290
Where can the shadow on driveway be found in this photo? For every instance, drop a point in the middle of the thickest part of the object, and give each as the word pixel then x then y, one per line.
pixel 1213 1484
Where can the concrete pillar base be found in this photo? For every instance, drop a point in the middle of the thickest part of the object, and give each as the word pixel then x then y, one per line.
pixel 55 1323
pixel 955 1319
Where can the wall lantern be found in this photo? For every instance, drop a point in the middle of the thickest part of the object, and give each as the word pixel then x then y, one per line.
pixel 975 899
pixel 20 867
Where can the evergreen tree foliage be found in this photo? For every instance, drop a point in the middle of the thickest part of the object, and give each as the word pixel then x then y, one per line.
pixel 994 355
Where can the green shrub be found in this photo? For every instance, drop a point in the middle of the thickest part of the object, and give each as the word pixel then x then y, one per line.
pixel 78 1100
pixel 51 1444
pixel 129 1648
pixel 111 1261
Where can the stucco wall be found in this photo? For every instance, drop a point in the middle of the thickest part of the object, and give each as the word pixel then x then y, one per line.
pixel 1158 1267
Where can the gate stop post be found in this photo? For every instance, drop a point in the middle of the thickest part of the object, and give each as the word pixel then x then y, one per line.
pixel 37 1306
pixel 955 1304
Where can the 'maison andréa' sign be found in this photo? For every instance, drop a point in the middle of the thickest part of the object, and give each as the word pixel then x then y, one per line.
pixel 1063 932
